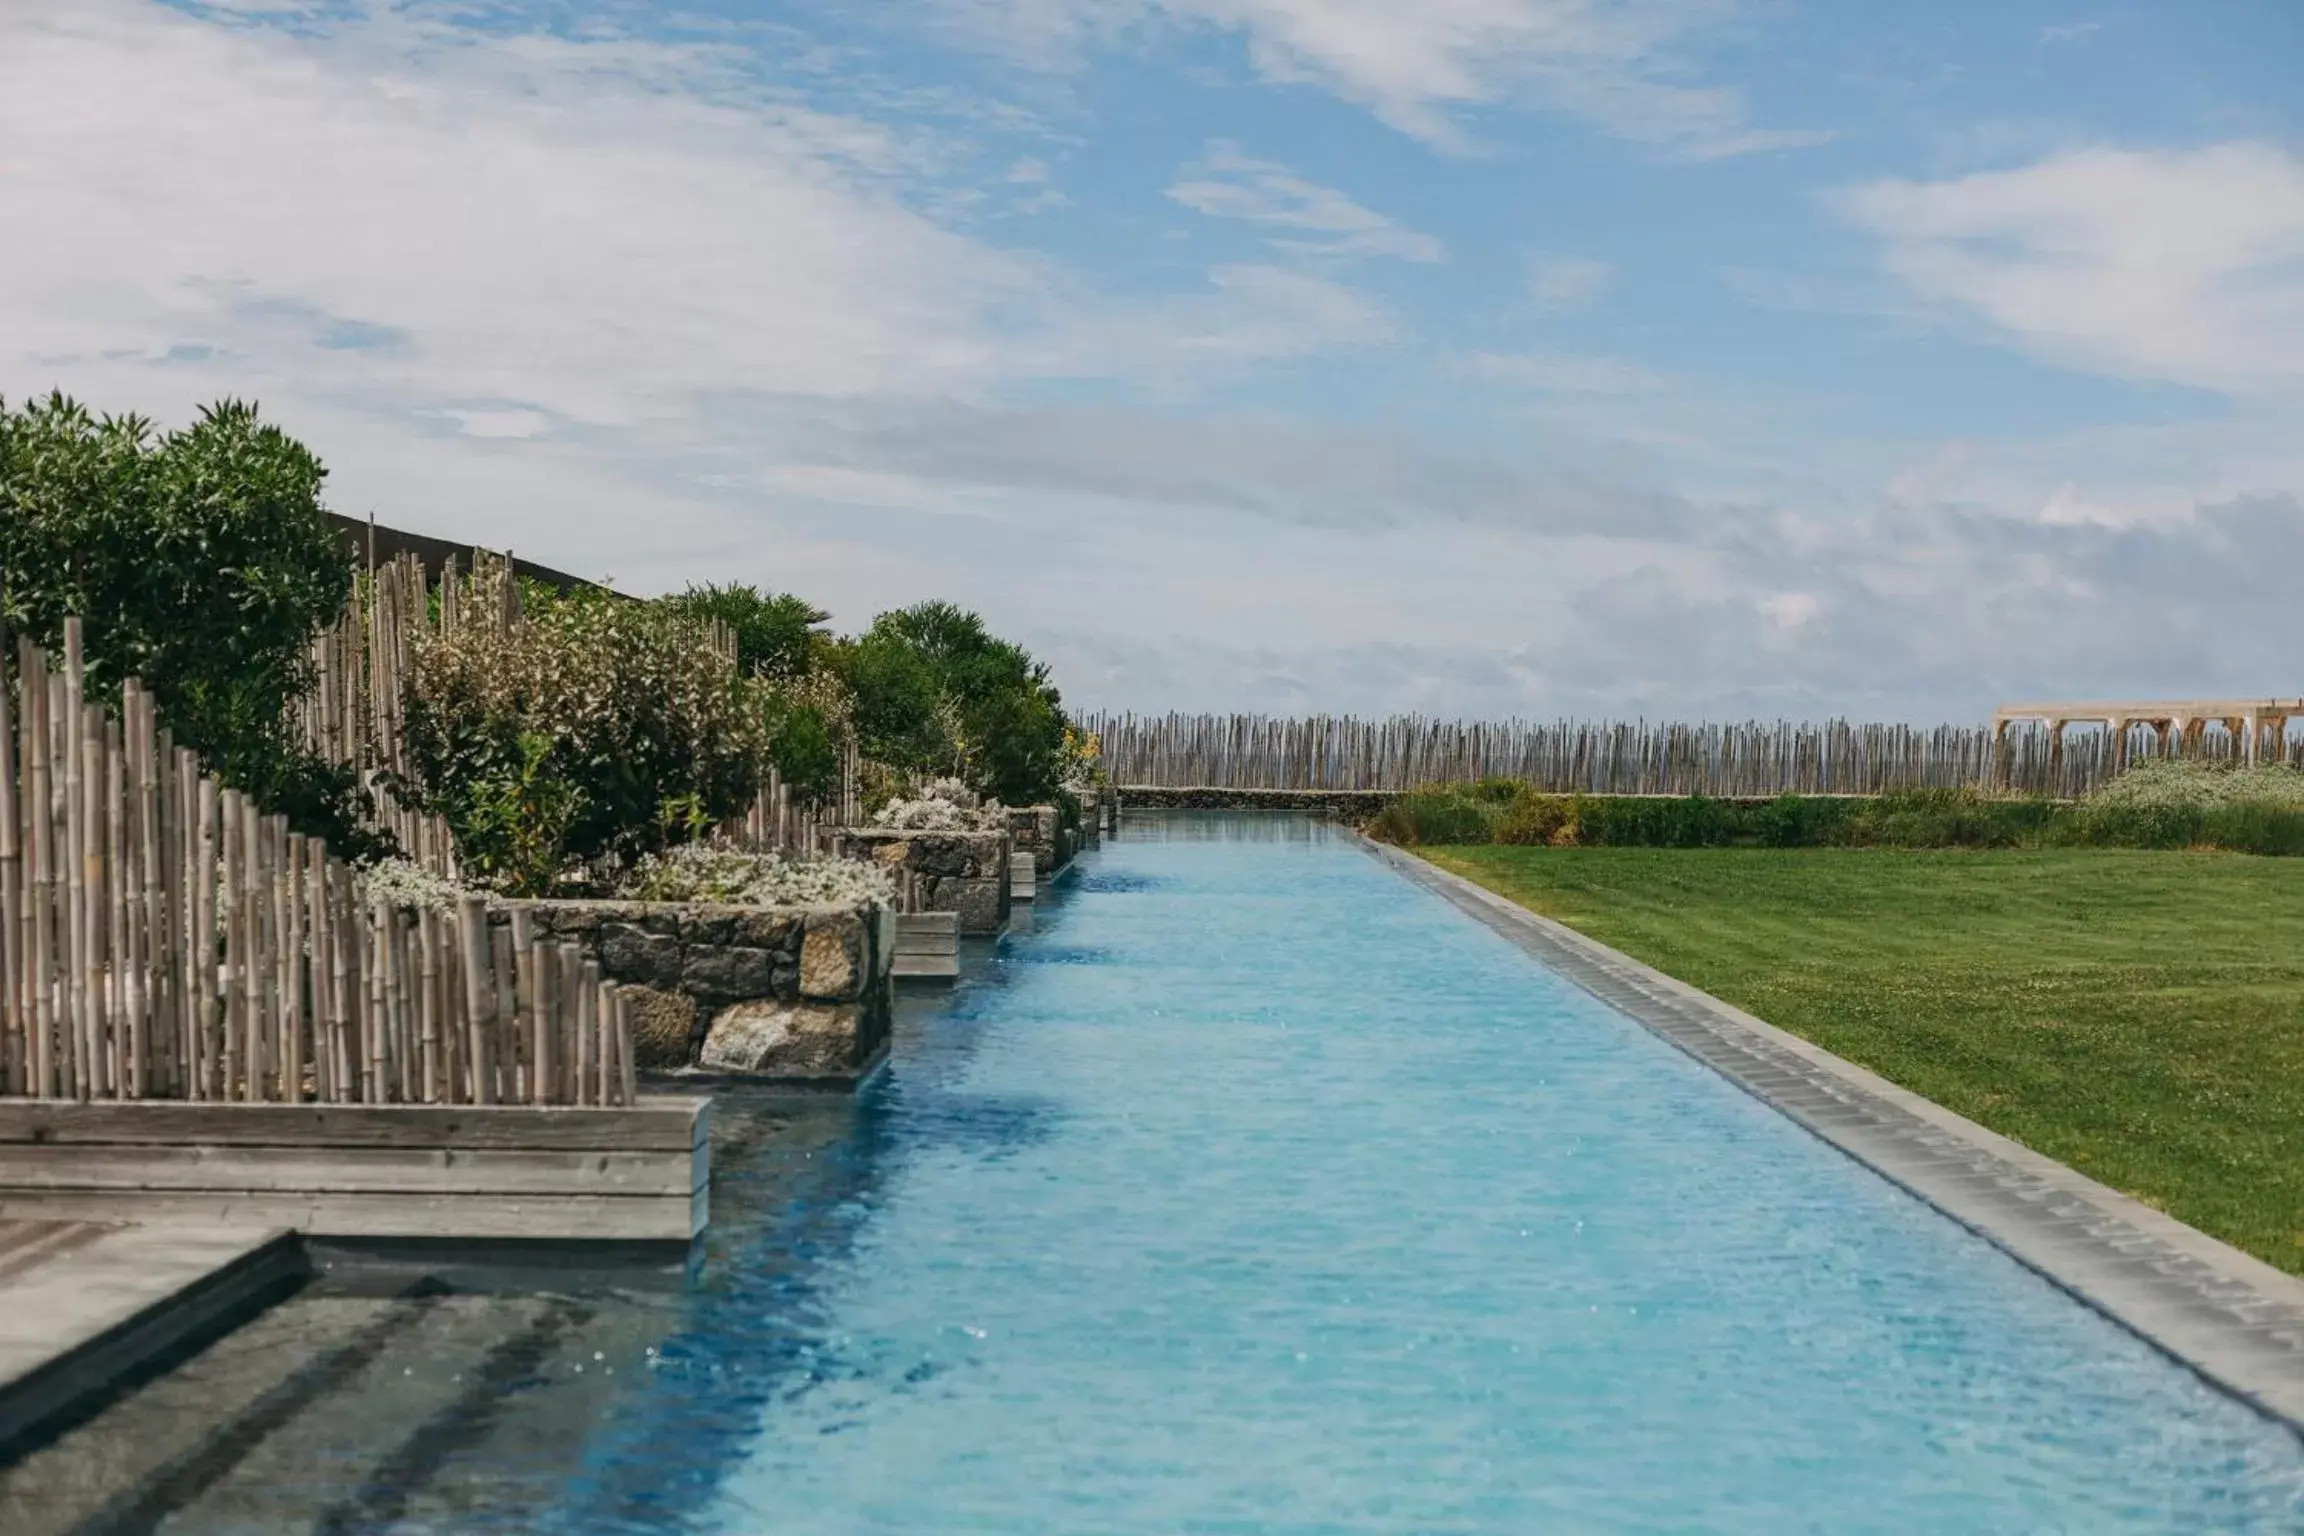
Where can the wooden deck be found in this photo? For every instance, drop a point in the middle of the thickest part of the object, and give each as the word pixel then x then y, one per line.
pixel 928 945
pixel 82 1302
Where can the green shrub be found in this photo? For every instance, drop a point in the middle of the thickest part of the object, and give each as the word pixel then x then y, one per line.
pixel 1535 819
pixel 596 728
pixel 1496 790
pixel 1435 816
pixel 1803 821
pixel 1663 821
pixel 1946 818
pixel 204 563
pixel 937 694
pixel 2254 827
pixel 778 636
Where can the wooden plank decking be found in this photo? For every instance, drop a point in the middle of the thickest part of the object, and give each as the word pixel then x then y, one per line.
pixel 83 1302
pixel 928 945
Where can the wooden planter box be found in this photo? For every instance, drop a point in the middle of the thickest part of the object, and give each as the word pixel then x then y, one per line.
pixel 370 1171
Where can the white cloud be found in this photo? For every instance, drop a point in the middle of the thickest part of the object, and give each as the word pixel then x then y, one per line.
pixel 420 218
pixel 553 238
pixel 2069 33
pixel 1419 65
pixel 1565 282
pixel 511 424
pixel 614 307
pixel 1231 185
pixel 2177 265
pixel 1250 314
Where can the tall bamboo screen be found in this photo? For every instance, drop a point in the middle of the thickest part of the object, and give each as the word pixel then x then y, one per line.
pixel 1329 752
pixel 356 714
pixel 160 938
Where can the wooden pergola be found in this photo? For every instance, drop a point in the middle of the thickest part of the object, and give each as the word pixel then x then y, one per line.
pixel 2259 726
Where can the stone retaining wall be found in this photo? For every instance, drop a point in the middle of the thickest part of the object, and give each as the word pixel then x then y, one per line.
pixel 778 993
pixel 960 872
pixel 1040 831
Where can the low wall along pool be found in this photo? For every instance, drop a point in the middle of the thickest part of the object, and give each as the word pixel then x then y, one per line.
pixel 1255 1188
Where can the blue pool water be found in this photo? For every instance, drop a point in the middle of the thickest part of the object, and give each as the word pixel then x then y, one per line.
pixel 1254 1190
pixel 1259 1191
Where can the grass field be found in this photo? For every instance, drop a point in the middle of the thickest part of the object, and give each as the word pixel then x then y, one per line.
pixel 2137 1015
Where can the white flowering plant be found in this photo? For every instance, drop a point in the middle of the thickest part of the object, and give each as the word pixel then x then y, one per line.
pixel 403 883
pixel 2164 784
pixel 722 876
pixel 941 805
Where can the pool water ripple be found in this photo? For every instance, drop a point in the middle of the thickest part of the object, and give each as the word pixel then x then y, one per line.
pixel 1291 1201
pixel 1249 1189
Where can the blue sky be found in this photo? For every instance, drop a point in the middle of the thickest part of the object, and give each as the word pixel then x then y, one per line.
pixel 1686 357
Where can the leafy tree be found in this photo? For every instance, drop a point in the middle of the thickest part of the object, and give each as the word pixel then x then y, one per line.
pixel 896 694
pixel 204 564
pixel 937 692
pixel 780 640
pixel 778 635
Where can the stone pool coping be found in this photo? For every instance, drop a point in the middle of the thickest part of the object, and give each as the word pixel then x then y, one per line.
pixel 2230 1317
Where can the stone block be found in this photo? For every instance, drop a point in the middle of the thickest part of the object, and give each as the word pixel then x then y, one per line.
pixel 632 954
pixel 982 904
pixel 785 1039
pixel 832 957
pixel 727 974
pixel 708 927
pixel 663 1028
pixel 778 932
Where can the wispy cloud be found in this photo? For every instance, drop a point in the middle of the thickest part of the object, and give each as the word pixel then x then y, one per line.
pixel 1422 67
pixel 2183 265
pixel 2069 33
pixel 1305 215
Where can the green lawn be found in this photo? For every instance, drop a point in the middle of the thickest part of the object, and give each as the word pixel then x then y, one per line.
pixel 2137 1015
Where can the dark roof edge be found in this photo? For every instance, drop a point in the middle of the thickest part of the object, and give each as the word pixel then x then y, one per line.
pixel 390 543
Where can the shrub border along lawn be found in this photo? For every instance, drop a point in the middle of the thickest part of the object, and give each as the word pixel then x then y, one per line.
pixel 2231 1318
pixel 1507 812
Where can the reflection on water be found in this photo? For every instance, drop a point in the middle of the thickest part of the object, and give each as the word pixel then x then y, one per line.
pixel 1165 826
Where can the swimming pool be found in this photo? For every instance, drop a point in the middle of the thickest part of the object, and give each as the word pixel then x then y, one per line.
pixel 1258 1190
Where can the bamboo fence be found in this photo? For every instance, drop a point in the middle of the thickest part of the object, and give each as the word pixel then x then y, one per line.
pixel 1259 752
pixel 162 939
pixel 355 715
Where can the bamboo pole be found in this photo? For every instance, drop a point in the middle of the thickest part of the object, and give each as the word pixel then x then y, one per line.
pixel 568 1033
pixel 91 939
pixel 14 970
pixel 479 995
pixel 507 1079
pixel 588 1066
pixel 428 940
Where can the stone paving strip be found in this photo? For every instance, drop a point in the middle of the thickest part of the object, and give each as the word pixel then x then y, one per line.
pixel 2232 1318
